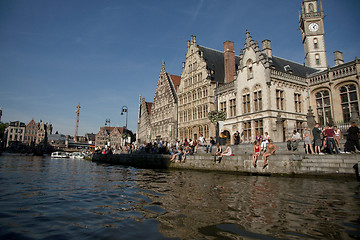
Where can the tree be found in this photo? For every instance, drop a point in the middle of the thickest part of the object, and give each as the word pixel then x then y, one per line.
pixel 3 126
pixel 216 117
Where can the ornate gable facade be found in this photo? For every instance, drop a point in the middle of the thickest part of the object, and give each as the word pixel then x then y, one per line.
pixel 201 70
pixel 31 132
pixel 267 90
pixel 163 116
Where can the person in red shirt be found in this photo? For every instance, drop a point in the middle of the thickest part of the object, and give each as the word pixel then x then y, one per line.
pixel 330 133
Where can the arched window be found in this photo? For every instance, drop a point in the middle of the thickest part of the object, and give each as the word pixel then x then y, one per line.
pixel 257 98
pixel 349 101
pixel 317 59
pixel 316 45
pixel 201 130
pixel 311 7
pixel 206 131
pixel 246 101
pixel 250 73
pixel 323 106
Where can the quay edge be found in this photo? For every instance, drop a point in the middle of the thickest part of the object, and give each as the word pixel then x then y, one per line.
pixel 279 164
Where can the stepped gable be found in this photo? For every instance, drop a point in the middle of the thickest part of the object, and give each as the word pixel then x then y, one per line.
pixel 260 56
pixel 273 61
pixel 296 68
pixel 215 63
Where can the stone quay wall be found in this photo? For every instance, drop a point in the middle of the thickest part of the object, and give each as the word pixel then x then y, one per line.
pixel 284 162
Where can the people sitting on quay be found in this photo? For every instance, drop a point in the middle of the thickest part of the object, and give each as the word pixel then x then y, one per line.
pixel 264 142
pixel 270 151
pixel 257 152
pixel 186 152
pixel 202 142
pixel 293 142
pixel 227 152
pixel 218 152
pixel 178 154
pixel 259 138
pixel 212 143
pixel 307 141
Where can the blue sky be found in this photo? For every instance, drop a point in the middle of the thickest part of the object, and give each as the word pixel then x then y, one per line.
pixel 104 54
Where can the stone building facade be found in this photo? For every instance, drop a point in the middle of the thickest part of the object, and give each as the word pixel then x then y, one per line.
pixel 44 130
pixel 274 95
pixel 143 133
pixel 15 132
pixel 159 119
pixel 261 92
pixel 31 132
pixel 266 89
pixel 334 93
pixel 163 115
pixel 203 70
pixel 110 137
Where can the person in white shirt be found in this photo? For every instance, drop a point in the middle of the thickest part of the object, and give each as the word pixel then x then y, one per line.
pixel 227 152
pixel 295 139
pixel 265 142
pixel 202 142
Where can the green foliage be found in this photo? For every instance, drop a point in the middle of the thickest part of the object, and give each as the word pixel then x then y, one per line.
pixel 216 117
pixel 3 126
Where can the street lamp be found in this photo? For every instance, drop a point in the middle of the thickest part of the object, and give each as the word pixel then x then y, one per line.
pixel 107 123
pixel 125 110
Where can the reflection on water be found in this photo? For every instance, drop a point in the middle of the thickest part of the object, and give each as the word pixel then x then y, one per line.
pixel 68 199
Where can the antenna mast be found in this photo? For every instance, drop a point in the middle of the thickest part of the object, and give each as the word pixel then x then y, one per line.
pixel 77 122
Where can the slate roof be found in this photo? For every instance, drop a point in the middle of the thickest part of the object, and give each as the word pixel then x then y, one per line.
pixel 215 61
pixel 297 68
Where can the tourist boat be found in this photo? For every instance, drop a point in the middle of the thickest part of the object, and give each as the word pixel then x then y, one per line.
pixel 59 155
pixel 77 155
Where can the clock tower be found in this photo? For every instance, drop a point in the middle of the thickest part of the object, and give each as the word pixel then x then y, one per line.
pixel 311 21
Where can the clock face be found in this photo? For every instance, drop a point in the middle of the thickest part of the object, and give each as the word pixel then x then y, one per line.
pixel 313 27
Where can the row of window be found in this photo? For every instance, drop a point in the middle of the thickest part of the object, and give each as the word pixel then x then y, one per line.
pixel 193 95
pixel 257 102
pixel 193 80
pixel 349 103
pixel 194 113
pixel 191 132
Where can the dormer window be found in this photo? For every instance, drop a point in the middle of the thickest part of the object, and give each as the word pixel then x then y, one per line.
pixel 287 68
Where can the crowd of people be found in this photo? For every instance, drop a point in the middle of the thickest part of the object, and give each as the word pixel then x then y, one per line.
pixel 325 140
pixel 316 141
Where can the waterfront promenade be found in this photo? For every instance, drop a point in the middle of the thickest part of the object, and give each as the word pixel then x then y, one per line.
pixel 284 162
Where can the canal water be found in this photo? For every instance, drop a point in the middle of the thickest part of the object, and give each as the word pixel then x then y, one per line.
pixel 44 198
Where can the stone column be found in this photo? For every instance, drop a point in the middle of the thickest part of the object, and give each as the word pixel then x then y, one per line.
pixel 310 118
pixel 279 129
pixel 354 115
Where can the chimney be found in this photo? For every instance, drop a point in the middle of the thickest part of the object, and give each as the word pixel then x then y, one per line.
pixel 266 45
pixel 338 57
pixel 229 61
